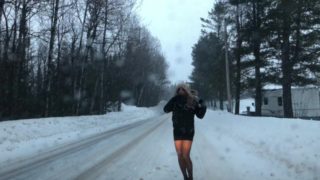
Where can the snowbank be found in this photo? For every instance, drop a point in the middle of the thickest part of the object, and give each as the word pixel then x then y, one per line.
pixel 22 138
pixel 283 148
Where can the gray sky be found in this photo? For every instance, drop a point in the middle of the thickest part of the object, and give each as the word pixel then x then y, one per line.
pixel 176 23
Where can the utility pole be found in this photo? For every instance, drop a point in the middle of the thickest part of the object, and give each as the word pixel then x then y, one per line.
pixel 227 67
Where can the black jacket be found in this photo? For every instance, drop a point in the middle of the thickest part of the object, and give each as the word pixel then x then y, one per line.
pixel 183 115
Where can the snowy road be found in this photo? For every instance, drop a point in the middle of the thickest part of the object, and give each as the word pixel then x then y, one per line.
pixel 142 150
pixel 78 160
pixel 145 150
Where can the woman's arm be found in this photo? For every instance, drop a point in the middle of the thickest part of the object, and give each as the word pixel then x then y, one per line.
pixel 169 106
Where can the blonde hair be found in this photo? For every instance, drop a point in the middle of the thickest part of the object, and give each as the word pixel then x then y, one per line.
pixel 189 93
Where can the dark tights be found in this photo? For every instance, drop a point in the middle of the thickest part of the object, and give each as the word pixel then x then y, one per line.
pixel 183 148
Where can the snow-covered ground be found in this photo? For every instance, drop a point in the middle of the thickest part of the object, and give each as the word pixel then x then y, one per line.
pixel 264 147
pixel 22 138
pixel 226 147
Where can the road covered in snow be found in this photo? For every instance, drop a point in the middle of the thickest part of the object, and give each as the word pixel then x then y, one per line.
pixel 226 147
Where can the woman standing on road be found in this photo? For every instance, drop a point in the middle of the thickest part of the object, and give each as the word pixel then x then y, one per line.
pixel 184 105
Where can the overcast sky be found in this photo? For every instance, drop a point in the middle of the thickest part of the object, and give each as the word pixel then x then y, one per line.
pixel 176 23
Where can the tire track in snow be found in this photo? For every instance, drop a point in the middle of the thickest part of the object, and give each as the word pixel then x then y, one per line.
pixel 96 170
pixel 23 168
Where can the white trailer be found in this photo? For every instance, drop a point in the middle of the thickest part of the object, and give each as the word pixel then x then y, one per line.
pixel 305 102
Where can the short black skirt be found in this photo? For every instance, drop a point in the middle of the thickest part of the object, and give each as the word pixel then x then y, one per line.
pixel 183 133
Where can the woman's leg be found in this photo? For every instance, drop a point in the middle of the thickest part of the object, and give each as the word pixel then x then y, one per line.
pixel 182 163
pixel 186 148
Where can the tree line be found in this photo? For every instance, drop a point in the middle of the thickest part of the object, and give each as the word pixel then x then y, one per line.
pixel 76 57
pixel 270 41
